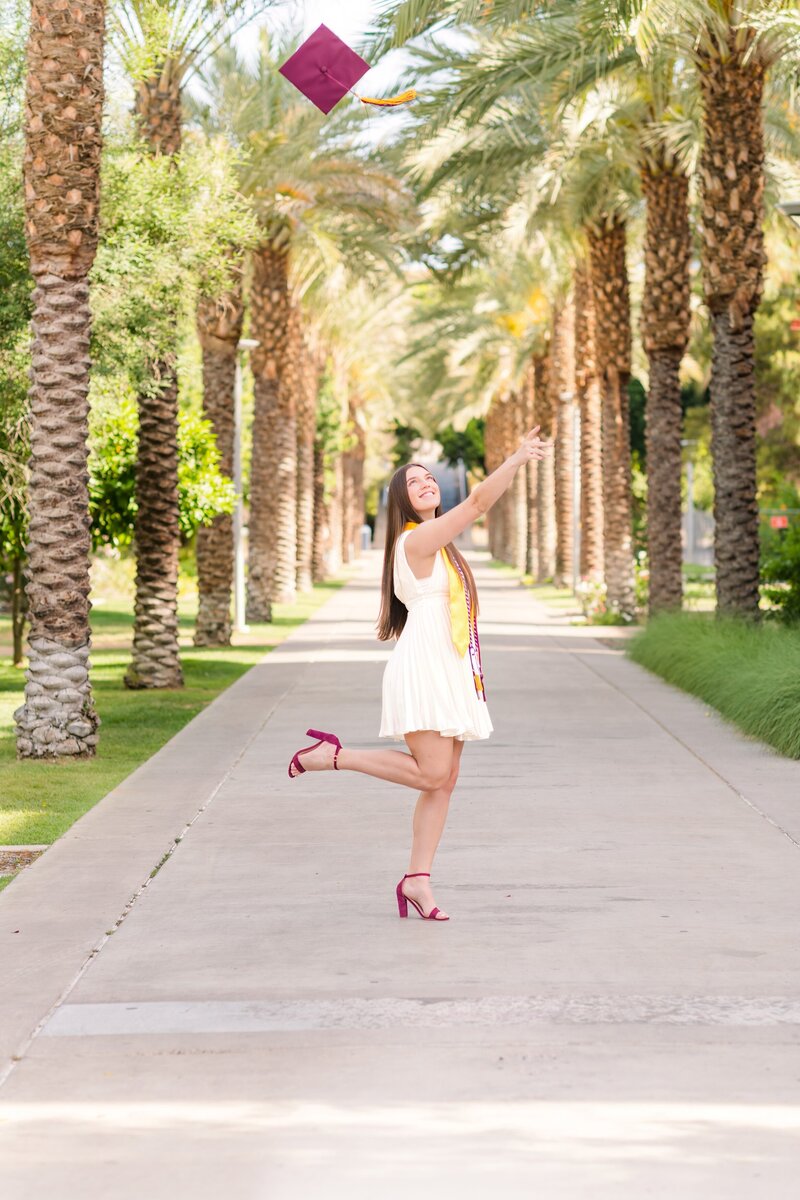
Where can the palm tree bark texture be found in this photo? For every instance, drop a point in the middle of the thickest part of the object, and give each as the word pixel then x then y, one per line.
pixel 562 380
pixel 531 474
pixel 63 118
pixel 546 490
pixel 155 661
pixel 273 482
pixel 306 428
pixel 665 333
pixel 321 537
pixel 732 182
pixel 518 492
pixel 587 387
pixel 493 455
pixel 352 514
pixel 158 107
pixel 508 505
pixel 219 328
pixel 359 462
pixel 607 245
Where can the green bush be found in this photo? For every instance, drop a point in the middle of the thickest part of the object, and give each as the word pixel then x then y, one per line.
pixel 202 490
pixel 780 572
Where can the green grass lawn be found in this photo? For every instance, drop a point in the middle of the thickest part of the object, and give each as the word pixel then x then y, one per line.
pixel 562 600
pixel 749 673
pixel 40 800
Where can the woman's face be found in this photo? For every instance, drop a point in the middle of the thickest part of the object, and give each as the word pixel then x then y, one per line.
pixel 423 491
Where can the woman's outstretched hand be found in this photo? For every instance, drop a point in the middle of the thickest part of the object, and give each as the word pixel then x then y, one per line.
pixel 532 448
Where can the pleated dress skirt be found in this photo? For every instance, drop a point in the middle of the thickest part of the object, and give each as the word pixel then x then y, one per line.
pixel 427 684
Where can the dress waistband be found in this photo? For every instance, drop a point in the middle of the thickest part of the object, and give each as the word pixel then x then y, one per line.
pixel 439 597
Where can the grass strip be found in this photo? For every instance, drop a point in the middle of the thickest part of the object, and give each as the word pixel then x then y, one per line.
pixel 561 598
pixel 749 673
pixel 40 800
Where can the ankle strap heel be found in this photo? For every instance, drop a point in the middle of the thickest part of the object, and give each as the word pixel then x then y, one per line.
pixel 403 900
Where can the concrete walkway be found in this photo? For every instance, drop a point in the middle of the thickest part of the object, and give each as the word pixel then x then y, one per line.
pixel 613 1011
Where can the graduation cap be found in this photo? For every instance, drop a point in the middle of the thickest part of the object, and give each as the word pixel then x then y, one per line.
pixel 325 69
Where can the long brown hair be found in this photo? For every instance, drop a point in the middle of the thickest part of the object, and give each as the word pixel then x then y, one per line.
pixel 399 510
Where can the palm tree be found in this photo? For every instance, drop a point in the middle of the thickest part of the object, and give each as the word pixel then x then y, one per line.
pixel 732 46
pixel 546 531
pixel 590 404
pixel 736 46
pixel 161 43
pixel 306 434
pixel 273 482
pixel 562 381
pixel 64 109
pixel 607 253
pixel 219 328
pixel 530 384
pixel 328 216
pixel 665 332
pixel 525 155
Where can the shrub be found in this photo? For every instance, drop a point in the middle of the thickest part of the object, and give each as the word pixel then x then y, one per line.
pixel 780 571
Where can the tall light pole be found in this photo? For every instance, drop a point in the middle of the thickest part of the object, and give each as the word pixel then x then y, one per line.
pixel 690 520
pixel 239 625
pixel 792 209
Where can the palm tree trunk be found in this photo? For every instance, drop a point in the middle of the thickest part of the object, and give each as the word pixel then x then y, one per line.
pixel 18 609
pixel 508 501
pixel 336 517
pixel 64 105
pixel 665 332
pixel 518 492
pixel 155 660
pixel 273 485
pixel 531 383
pixel 732 179
pixel 607 245
pixel 359 499
pixel 587 386
pixel 490 458
pixel 546 491
pixel 562 358
pixel 348 507
pixel 321 540
pixel 733 446
pixel 306 430
pixel 158 108
pixel 219 327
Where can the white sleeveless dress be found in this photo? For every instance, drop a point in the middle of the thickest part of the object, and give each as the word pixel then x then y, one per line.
pixel 427 684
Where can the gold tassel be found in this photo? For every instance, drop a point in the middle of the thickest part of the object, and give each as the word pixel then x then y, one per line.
pixel 390 101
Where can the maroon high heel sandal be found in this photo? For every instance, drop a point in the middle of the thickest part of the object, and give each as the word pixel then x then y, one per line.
pixel 403 900
pixel 323 737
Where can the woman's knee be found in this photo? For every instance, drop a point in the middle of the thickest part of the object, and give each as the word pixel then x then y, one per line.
pixel 434 779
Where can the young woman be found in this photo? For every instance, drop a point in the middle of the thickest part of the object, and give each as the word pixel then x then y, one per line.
pixel 433 694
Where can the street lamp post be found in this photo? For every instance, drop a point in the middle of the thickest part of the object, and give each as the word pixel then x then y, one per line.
pixel 239 625
pixel 690 518
pixel 792 209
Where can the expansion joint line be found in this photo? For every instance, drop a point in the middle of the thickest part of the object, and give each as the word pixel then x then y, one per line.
pixel 695 754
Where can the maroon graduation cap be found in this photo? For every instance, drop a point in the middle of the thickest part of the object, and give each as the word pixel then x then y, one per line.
pixel 325 69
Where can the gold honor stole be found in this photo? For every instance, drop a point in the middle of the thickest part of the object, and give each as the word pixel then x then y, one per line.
pixel 463 620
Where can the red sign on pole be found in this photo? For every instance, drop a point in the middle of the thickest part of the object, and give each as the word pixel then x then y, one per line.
pixel 779 522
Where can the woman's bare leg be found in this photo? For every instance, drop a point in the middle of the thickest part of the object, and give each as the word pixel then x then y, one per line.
pixel 430 815
pixel 427 766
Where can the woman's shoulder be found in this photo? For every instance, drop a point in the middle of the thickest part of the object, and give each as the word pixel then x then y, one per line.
pixel 400 544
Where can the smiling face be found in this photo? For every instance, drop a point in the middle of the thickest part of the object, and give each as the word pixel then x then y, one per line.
pixel 423 491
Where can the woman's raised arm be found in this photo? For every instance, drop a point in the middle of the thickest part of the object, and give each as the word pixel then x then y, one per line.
pixel 430 536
